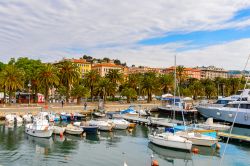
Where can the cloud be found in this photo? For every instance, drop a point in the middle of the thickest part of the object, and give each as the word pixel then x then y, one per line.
pixel 52 29
pixel 231 55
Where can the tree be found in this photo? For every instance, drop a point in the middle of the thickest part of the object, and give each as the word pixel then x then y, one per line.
pixel 48 77
pixel 69 74
pixel 104 87
pixel 196 89
pixel 11 79
pixel 166 82
pixel 91 80
pixel 209 87
pixel 129 93
pixel 114 76
pixel 149 84
pixel 78 92
pixel 180 74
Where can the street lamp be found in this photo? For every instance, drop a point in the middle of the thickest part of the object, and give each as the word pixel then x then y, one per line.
pixel 29 85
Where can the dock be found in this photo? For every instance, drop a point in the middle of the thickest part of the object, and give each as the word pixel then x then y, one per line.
pixel 153 121
pixel 234 136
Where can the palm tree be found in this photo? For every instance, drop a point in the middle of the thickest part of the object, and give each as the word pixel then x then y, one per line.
pixel 149 84
pixel 181 75
pixel 209 87
pixel 129 93
pixel 166 82
pixel 69 74
pixel 104 86
pixel 91 80
pixel 114 76
pixel 195 88
pixel 11 79
pixel 78 92
pixel 48 77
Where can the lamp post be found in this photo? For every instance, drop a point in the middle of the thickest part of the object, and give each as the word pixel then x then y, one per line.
pixel 29 85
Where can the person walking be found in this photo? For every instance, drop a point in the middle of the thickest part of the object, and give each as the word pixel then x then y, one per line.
pixel 85 106
pixel 62 103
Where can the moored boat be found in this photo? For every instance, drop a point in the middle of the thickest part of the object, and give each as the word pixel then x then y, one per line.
pixel 121 124
pixel 170 140
pixel 39 128
pixel 74 130
pixel 86 127
pixel 102 125
pixel 27 118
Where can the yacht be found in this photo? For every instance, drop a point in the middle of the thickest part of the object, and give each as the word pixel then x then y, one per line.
pixel 227 112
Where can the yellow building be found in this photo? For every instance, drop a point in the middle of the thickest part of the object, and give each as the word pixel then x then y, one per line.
pixel 82 64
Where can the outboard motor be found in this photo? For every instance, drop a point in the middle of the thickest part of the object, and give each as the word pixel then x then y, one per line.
pixel 15 120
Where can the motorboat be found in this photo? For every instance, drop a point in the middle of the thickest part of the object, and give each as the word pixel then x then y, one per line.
pixel 99 114
pixel 13 118
pixel 86 127
pixel 58 129
pixel 130 111
pixel 39 128
pixel 121 124
pixel 197 138
pixel 228 112
pixel 74 130
pixel 170 140
pixel 66 116
pixel 210 125
pixel 27 118
pixel 78 116
pixel 102 125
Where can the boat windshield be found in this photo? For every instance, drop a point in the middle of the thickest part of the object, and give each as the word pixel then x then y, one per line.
pixel 222 101
pixel 243 106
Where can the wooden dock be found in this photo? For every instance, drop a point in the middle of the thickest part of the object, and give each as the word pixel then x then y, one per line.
pixel 153 121
pixel 234 136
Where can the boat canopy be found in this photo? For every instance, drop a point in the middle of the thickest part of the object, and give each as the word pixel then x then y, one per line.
pixel 177 99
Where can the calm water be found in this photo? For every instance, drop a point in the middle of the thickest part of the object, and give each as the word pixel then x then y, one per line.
pixel 108 149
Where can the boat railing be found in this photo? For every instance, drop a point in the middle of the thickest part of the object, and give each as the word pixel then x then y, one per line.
pixel 210 105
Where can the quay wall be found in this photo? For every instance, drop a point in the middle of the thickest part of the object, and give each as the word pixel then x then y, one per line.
pixel 34 109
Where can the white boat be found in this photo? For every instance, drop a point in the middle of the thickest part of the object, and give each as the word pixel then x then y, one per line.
pixel 99 114
pixel 74 130
pixel 198 138
pixel 170 140
pixel 103 125
pixel 58 129
pixel 210 125
pixel 121 124
pixel 13 118
pixel 39 128
pixel 27 118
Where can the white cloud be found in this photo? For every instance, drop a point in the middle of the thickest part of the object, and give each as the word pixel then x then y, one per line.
pixel 231 55
pixel 48 29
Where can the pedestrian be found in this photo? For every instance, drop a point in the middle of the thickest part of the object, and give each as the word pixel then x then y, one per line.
pixel 85 106
pixel 62 103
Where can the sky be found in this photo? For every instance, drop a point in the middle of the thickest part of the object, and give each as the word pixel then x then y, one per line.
pixel 139 32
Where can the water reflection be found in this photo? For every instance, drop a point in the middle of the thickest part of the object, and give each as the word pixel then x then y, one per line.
pixel 169 154
pixel 42 145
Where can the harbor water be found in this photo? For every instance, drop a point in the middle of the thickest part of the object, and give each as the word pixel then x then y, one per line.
pixel 109 149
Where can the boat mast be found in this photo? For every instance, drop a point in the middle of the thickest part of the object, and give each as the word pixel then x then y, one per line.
pixel 174 85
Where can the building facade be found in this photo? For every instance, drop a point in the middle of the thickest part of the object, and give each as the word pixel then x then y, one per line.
pixel 104 68
pixel 144 69
pixel 188 72
pixel 211 72
pixel 83 65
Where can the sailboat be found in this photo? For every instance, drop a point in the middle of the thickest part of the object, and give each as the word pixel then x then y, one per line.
pixel 170 139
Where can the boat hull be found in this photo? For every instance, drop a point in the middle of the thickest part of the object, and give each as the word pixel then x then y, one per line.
pixel 186 145
pixel 73 132
pixel 39 133
pixel 225 114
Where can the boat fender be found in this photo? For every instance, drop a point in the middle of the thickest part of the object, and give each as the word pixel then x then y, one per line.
pixel 61 134
pixel 246 116
pixel 155 163
pixel 218 146
pixel 195 150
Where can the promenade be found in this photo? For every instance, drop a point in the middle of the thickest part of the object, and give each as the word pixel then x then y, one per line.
pixel 21 109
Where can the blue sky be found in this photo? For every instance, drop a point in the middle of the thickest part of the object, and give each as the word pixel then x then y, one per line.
pixel 142 32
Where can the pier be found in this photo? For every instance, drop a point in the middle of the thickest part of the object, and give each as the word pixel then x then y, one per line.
pixel 224 135
pixel 153 121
